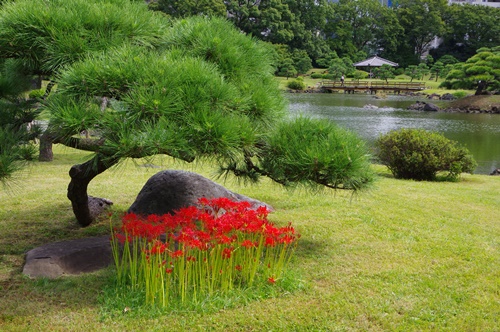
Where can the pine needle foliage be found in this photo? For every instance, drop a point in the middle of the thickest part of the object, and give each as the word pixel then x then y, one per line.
pixel 52 34
pixel 207 92
pixel 311 152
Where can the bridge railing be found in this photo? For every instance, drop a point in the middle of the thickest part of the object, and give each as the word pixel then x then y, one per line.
pixel 373 85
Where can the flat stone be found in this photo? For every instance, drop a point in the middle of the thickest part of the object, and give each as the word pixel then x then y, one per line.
pixel 71 257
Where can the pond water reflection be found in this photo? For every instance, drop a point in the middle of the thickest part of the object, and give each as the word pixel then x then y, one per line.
pixel 480 133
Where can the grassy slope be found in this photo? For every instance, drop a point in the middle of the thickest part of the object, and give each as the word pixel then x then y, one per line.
pixel 479 102
pixel 404 256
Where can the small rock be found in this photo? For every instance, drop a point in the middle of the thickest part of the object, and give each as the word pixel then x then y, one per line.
pixel 428 107
pixel 496 172
pixel 448 96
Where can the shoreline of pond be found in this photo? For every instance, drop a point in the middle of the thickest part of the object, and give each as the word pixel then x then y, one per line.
pixel 468 104
pixel 371 117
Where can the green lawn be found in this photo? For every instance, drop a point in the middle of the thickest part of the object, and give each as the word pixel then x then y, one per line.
pixel 404 256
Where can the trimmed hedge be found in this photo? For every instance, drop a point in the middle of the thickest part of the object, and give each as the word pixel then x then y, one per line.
pixel 419 154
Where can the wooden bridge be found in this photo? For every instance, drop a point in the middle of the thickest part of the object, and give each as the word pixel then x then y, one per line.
pixel 372 87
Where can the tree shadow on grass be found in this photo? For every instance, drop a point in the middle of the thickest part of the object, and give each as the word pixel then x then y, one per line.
pixel 308 248
pixel 49 225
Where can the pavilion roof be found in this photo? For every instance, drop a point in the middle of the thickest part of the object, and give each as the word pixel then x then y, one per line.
pixel 375 61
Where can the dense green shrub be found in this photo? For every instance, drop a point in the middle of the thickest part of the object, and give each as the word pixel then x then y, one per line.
pixel 399 71
pixel 418 154
pixel 360 75
pixel 460 94
pixel 297 84
pixel 316 75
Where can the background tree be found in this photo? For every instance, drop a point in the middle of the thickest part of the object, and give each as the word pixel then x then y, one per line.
pixel 364 25
pixel 301 61
pixel 310 17
pixel 468 28
pixel 422 23
pixel 423 70
pixel 437 69
pixel 283 61
pixel 268 20
pixel 480 72
pixel 325 60
pixel 384 72
pixel 412 71
pixel 448 60
pixel 337 68
pixel 186 8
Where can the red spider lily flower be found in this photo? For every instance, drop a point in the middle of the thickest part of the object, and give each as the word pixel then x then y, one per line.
pixel 287 239
pixel 203 201
pixel 248 244
pixel 176 254
pixel 262 211
pixel 271 280
pixel 191 259
pixel 122 238
pixel 270 242
pixel 158 248
pixel 188 213
pixel 168 270
pixel 226 253
pixel 238 267
pixel 223 239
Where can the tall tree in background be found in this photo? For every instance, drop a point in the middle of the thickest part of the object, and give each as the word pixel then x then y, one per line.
pixel 468 28
pixel 268 20
pixel 308 34
pixel 363 25
pixel 186 8
pixel 422 23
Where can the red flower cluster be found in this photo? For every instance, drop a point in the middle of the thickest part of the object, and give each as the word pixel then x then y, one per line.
pixel 201 250
pixel 217 221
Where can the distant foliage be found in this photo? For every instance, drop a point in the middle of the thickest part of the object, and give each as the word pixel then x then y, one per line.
pixel 483 67
pixel 419 155
pixel 360 75
pixel 384 72
pixel 297 84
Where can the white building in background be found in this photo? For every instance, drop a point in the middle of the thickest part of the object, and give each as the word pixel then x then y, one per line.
pixel 490 3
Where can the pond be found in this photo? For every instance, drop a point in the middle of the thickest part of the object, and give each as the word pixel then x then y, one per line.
pixel 480 133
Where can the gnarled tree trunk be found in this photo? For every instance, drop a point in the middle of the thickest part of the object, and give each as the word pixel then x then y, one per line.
pixel 45 150
pixel 81 175
pixel 481 86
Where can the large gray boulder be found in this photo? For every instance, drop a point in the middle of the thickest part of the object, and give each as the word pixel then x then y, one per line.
pixel 170 190
pixel 69 257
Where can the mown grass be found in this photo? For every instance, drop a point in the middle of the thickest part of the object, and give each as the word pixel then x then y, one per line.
pixel 403 256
